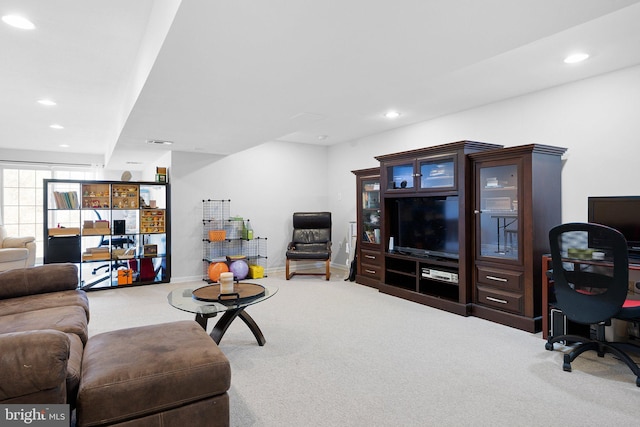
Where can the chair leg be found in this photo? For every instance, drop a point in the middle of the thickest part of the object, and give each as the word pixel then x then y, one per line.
pixel 327 269
pixel 287 270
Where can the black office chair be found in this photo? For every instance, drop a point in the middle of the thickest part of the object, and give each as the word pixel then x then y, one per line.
pixel 311 241
pixel 590 274
pixel 120 242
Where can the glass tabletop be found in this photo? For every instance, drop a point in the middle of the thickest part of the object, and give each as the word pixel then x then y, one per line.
pixel 183 299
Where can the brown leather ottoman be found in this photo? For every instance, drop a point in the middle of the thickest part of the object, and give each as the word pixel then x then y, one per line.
pixel 170 374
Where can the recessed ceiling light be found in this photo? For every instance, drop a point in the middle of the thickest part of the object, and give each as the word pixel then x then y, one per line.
pixel 64 145
pixel 575 58
pixel 392 114
pixel 56 126
pixel 18 22
pixel 159 142
pixel 46 102
pixel 323 137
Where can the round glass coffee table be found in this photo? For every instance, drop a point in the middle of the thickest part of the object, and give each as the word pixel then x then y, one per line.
pixel 184 299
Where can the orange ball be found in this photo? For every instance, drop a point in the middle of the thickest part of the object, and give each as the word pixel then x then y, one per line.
pixel 215 269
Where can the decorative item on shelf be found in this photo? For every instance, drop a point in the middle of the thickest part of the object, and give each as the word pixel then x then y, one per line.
pixel 118 226
pixel 161 174
pixel 94 254
pixel 150 250
pixel 369 236
pixel 256 271
pixel 217 235
pixel 64 231
pixel 247 230
pixel 125 253
pixel 96 228
pixel 125 276
pixel 215 269
pixel 492 183
pixel 126 176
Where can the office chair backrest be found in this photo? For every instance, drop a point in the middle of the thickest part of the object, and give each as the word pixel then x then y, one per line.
pixel 590 271
pixel 311 227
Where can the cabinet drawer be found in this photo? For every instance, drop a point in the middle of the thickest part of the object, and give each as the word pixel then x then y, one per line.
pixel 505 279
pixel 497 298
pixel 372 271
pixel 370 257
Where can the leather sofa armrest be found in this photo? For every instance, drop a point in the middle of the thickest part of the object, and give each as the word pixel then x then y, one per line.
pixel 17 242
pixel 32 362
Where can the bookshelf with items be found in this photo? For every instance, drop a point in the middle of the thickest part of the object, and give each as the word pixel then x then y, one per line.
pixel 227 239
pixel 117 232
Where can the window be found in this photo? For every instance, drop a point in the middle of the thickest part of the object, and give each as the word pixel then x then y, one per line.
pixel 21 200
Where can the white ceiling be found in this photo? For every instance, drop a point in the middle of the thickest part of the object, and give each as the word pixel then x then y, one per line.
pixel 222 76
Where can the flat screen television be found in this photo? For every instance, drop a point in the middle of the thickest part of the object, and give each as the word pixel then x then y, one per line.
pixel 425 226
pixel 621 213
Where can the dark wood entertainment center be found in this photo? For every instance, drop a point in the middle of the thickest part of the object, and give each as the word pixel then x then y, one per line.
pixel 488 266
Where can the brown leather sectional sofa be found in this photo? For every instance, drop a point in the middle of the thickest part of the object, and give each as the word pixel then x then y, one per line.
pixel 168 374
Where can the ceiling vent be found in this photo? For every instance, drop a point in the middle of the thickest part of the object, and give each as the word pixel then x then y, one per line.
pixel 159 142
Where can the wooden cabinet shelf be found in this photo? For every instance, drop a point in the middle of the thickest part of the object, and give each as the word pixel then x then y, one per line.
pixel 517 201
pixel 476 216
pixel 368 227
pixel 426 192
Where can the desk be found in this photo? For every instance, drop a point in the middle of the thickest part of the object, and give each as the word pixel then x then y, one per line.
pixel 507 219
pixel 634 277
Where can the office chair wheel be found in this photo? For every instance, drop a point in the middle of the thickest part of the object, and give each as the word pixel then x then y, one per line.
pixel 637 381
pixel 548 346
pixel 566 366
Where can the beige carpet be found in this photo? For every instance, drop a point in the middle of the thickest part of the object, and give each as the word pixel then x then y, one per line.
pixel 342 354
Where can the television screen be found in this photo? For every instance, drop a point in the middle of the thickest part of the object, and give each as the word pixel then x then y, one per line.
pixel 619 212
pixel 426 226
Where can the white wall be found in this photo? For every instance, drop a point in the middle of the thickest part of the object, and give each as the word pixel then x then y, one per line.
pixel 596 119
pixel 265 184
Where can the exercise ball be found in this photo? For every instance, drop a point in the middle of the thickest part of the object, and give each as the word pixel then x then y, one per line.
pixel 239 268
pixel 215 268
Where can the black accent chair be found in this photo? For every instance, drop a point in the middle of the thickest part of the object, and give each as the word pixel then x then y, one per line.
pixel 311 241
pixel 590 274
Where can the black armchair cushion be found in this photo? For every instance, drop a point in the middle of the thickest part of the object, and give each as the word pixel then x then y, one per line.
pixel 309 251
pixel 311 236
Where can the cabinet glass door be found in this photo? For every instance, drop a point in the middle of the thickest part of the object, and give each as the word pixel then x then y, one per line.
pixel 400 176
pixel 497 211
pixel 437 173
pixel 370 211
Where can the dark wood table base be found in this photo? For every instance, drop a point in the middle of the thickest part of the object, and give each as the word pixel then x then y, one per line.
pixel 223 324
